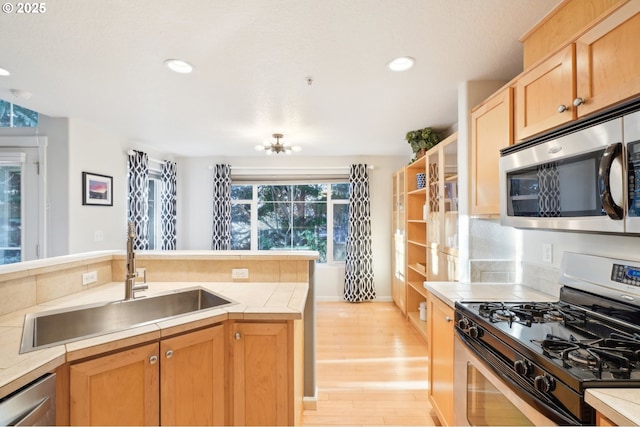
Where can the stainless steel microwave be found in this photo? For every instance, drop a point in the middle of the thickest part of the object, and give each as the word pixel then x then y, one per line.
pixel 587 180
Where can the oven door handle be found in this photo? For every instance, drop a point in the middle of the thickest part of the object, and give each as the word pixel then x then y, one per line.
pixel 610 157
pixel 520 386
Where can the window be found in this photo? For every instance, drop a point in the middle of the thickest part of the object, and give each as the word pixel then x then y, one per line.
pixel 155 186
pixel 10 213
pixel 14 116
pixel 291 216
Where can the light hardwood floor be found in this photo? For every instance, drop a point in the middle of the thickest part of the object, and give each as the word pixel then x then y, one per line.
pixel 371 367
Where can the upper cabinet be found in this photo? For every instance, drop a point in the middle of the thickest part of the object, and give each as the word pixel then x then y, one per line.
pixel 608 61
pixel 544 94
pixel 600 69
pixel 491 130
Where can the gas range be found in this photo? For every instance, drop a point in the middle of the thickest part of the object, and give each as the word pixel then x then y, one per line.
pixel 590 337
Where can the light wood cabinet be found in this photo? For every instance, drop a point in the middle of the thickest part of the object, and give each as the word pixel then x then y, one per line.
pixel 398 242
pixel 192 378
pixel 441 335
pixel 599 70
pixel 262 387
pixel 602 420
pixel 179 381
pixel 544 94
pixel 491 130
pixel 608 61
pixel 117 389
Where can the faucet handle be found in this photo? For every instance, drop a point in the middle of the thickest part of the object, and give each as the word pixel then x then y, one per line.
pixel 131 230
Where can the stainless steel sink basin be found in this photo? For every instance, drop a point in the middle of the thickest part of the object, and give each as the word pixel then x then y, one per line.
pixel 54 327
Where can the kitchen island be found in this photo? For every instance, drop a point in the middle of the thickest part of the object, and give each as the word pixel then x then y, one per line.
pixel 281 294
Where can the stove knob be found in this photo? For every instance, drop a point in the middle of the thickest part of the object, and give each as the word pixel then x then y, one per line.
pixel 523 367
pixel 544 383
pixel 475 332
pixel 464 323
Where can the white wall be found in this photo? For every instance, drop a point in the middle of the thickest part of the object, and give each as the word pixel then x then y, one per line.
pixel 195 210
pixel 92 149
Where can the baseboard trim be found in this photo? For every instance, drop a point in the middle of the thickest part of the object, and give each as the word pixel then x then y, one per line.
pixel 310 402
pixel 339 299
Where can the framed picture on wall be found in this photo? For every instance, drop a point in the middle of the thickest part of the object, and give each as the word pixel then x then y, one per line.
pixel 97 190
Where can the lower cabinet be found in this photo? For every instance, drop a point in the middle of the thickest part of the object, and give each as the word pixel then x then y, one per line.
pixel 441 335
pixel 235 373
pixel 262 389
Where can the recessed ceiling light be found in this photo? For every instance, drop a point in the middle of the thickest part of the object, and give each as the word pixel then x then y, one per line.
pixel 179 66
pixel 22 94
pixel 401 64
pixel 4 72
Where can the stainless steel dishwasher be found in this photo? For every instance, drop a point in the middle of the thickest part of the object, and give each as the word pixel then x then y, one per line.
pixel 32 405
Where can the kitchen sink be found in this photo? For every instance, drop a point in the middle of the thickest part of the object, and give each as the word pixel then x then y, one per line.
pixel 54 327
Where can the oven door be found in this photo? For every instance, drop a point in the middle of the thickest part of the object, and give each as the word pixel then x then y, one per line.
pixel 575 182
pixel 483 398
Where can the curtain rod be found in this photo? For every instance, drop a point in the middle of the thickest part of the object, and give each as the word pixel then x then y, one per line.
pixel 285 168
pixel 130 152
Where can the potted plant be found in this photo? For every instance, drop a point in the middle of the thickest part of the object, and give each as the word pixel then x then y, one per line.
pixel 422 140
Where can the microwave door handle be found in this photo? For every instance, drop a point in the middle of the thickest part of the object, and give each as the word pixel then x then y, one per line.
pixel 604 177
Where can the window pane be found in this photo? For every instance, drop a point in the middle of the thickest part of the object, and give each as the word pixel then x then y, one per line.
pixel 152 213
pixel 274 193
pixel 340 228
pixel 310 192
pixel 240 226
pixel 340 191
pixel 5 113
pixel 23 117
pixel 274 226
pixel 10 214
pixel 241 192
pixel 310 228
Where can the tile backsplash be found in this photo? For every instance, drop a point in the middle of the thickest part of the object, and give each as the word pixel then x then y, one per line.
pixel 492 270
pixel 541 278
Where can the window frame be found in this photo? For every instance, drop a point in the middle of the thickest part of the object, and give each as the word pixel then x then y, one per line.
pixel 330 203
pixel 156 176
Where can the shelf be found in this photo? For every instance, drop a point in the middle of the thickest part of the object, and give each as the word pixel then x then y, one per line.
pixel 413 242
pixel 419 287
pixel 419 191
pixel 417 221
pixel 451 178
pixel 422 273
pixel 421 326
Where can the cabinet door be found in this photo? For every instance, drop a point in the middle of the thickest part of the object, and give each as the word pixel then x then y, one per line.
pixel 441 360
pixel 491 130
pixel 192 378
pixel 261 381
pixel 118 389
pixel 544 95
pixel 608 61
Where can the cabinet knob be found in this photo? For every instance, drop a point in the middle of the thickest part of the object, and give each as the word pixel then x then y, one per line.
pixel 562 108
pixel 448 319
pixel 153 359
pixel 578 102
pixel 237 336
pixel 169 354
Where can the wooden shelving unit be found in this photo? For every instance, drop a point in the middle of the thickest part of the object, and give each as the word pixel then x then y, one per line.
pixel 430 229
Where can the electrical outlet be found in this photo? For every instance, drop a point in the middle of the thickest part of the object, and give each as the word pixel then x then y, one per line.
pixel 547 253
pixel 239 273
pixel 90 277
pixel 98 236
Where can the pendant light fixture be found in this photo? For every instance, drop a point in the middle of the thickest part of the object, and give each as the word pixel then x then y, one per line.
pixel 277 147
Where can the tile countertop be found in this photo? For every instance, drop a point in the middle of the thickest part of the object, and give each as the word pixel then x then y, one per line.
pixel 622 406
pixel 255 301
pixel 450 292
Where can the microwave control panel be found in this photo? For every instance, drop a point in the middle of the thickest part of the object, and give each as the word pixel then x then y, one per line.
pixel 633 149
pixel 626 274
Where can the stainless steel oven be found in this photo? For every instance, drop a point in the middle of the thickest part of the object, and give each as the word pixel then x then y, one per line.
pixel 483 398
pixel 530 363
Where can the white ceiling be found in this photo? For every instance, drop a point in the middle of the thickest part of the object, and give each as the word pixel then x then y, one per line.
pixel 102 61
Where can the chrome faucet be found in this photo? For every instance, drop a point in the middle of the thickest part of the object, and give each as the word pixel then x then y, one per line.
pixel 130 287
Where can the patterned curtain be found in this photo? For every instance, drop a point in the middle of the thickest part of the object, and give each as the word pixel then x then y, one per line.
pixel 138 211
pixel 358 279
pixel 221 208
pixel 168 208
